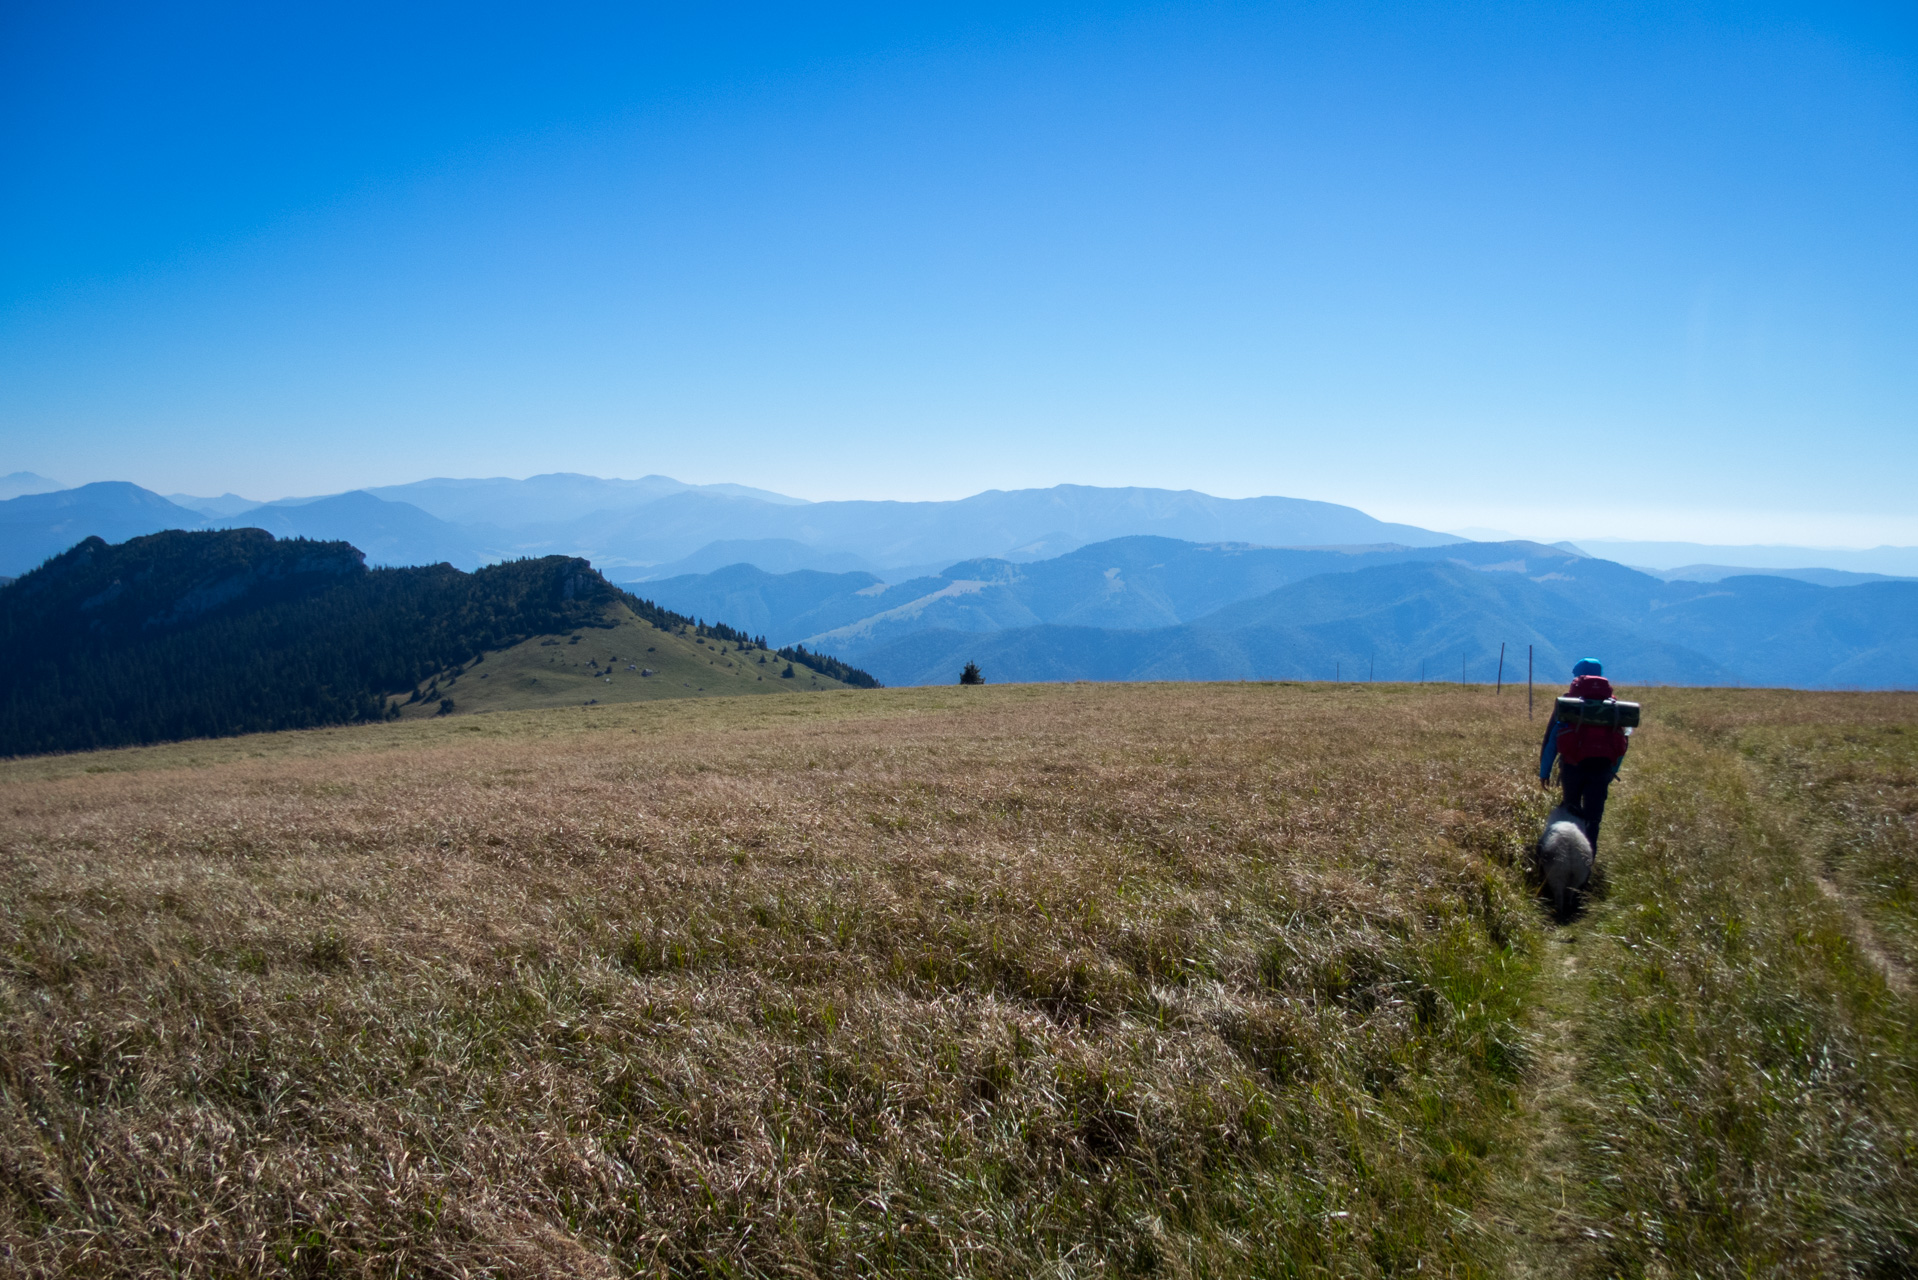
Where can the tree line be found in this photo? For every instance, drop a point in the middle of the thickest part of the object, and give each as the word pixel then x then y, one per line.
pixel 824 664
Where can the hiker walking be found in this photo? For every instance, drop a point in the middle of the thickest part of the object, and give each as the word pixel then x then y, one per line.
pixel 1588 755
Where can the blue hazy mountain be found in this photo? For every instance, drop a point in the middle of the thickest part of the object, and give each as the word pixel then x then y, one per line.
pixel 774 555
pixel 389 533
pixel 1129 606
pixel 1154 608
pixel 1658 556
pixel 657 527
pixel 38 526
pixel 1407 621
pixel 1125 583
pixel 658 521
pixel 1018 525
pixel 800 604
pixel 552 499
pixel 20 483
pixel 1776 631
pixel 227 504
pixel 1821 577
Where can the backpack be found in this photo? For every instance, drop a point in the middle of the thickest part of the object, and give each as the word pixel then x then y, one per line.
pixel 1579 742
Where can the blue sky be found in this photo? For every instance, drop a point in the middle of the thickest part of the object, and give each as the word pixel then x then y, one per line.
pixel 1647 271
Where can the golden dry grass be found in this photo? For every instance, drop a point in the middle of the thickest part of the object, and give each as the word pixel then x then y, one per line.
pixel 1081 980
pixel 1070 980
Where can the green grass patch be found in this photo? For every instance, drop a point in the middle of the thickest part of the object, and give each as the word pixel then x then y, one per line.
pixel 1744 1101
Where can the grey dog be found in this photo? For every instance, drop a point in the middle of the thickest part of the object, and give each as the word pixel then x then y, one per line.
pixel 1564 857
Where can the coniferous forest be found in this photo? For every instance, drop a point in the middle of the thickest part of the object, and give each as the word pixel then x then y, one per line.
pixel 205 634
pixel 827 665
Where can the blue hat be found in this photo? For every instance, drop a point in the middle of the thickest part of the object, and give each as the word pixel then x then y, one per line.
pixel 1588 667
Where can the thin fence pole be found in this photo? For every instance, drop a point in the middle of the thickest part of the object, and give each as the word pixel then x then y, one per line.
pixel 1461 669
pixel 1500 686
pixel 1528 682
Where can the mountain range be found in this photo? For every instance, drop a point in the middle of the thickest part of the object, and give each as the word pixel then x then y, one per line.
pixel 640 529
pixel 1671 558
pixel 1081 582
pixel 658 527
pixel 1158 608
pixel 24 482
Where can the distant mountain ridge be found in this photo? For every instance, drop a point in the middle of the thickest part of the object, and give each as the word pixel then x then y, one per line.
pixel 1133 583
pixel 227 504
pixel 36 527
pixel 1897 562
pixel 877 584
pixel 20 483
pixel 1151 608
pixel 658 527
pixel 1026 524
pixel 1819 577
pixel 553 498
pixel 630 526
pixel 390 533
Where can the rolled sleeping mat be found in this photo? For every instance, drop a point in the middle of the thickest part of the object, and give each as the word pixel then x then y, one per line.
pixel 1609 712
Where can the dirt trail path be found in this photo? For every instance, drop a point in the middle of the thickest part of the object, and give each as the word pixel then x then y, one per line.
pixel 1801 833
pixel 1540 1201
pixel 1896 975
pixel 1626 1099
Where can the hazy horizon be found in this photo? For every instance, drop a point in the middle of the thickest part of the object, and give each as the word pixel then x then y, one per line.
pixel 1638 273
pixel 1650 553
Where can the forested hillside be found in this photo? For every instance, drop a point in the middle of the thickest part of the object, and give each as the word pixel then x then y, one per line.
pixel 207 633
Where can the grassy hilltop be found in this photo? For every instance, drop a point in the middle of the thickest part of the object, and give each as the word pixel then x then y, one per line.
pixel 624 658
pixel 1182 980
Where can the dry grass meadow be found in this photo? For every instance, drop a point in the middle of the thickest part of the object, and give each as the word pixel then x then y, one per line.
pixel 1184 980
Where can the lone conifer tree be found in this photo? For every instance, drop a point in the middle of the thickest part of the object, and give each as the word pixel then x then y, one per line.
pixel 971 674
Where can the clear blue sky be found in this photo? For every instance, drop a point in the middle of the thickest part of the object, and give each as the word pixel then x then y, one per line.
pixel 1634 270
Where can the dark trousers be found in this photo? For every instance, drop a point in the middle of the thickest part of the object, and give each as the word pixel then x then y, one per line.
pixel 1585 786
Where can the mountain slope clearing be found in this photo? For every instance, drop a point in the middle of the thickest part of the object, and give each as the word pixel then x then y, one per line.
pixel 623 659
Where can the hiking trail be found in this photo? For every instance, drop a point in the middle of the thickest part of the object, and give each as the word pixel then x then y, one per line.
pixel 1540 1199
